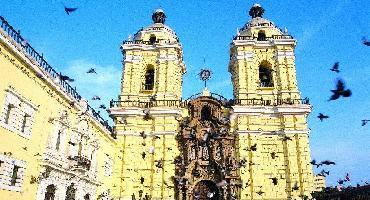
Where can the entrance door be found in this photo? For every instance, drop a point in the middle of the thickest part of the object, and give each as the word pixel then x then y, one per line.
pixel 205 190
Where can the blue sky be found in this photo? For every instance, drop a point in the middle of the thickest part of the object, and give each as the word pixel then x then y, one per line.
pixel 327 32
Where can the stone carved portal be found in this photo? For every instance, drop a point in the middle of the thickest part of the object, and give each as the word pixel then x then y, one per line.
pixel 207 167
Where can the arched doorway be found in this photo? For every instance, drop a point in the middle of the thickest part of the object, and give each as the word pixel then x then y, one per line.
pixel 205 190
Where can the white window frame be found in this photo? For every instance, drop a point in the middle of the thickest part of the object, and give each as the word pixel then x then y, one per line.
pixel 108 165
pixel 21 107
pixel 6 173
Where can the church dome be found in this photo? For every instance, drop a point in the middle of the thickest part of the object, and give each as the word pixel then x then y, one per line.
pixel 157 32
pixel 258 23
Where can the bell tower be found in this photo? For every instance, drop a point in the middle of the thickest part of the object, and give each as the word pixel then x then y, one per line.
pixel 153 63
pixel 262 61
pixel 269 115
pixel 147 111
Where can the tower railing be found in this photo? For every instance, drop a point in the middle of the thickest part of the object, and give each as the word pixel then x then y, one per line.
pixel 158 41
pixel 273 37
pixel 183 104
pixel 48 70
pixel 148 104
pixel 269 102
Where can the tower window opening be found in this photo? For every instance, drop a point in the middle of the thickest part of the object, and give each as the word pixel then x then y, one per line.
pixel 152 39
pixel 261 36
pixel 149 79
pixel 206 113
pixel 265 76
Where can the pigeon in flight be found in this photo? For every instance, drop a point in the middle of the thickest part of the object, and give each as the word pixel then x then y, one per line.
pixel 102 106
pixel 365 121
pixel 286 138
pixel 91 71
pixel 142 134
pixel 295 187
pixel 335 67
pixel 274 180
pixel 340 91
pixel 96 98
pixel 324 173
pixel 69 10
pixel 322 116
pixel 313 162
pixel 65 78
pixel 365 41
pixel 254 147
pixel 327 162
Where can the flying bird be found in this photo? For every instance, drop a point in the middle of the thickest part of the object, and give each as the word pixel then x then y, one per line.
pixel 335 67
pixel 327 162
pixel 324 173
pixel 286 138
pixel 96 98
pixel 365 121
pixel 260 192
pixel 91 71
pixel 274 180
pixel 347 178
pixel 295 187
pixel 322 116
pixel 365 41
pixel 340 91
pixel 102 106
pixel 142 134
pixel 313 162
pixel 65 78
pixel 254 147
pixel 340 181
pixel 69 10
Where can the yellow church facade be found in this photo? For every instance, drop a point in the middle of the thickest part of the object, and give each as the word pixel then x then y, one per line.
pixel 53 145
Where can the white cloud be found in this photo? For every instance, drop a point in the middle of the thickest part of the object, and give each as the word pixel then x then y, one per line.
pixel 105 84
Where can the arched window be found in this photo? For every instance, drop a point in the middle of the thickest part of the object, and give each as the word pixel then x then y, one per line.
pixel 149 78
pixel 206 113
pixel 152 39
pixel 50 192
pixel 261 36
pixel 71 192
pixel 265 75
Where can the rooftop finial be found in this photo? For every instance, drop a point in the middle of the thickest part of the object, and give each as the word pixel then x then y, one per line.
pixel 159 16
pixel 256 11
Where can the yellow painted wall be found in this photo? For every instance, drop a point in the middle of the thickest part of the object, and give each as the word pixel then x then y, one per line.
pixel 16 72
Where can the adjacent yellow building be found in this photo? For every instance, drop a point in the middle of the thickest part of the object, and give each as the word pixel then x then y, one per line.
pixel 53 145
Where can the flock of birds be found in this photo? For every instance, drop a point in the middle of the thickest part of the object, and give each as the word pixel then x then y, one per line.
pixel 338 92
pixel 95 97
